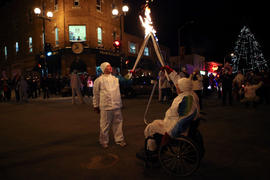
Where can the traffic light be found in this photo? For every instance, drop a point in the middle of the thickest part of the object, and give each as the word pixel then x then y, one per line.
pixel 48 49
pixel 116 45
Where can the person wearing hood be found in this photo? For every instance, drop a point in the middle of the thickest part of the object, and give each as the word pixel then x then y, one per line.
pixel 184 109
pixel 107 102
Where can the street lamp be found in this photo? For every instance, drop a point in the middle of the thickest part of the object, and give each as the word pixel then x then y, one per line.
pixel 41 14
pixel 116 13
pixel 179 37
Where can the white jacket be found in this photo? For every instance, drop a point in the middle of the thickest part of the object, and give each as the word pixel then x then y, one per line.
pixel 179 115
pixel 106 93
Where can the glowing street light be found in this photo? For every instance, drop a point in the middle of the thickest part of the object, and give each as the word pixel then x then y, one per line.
pixel 49 14
pixel 37 11
pixel 116 43
pixel 41 14
pixel 125 8
pixel 115 12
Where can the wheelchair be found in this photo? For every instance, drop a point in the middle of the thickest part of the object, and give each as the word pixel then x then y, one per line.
pixel 179 156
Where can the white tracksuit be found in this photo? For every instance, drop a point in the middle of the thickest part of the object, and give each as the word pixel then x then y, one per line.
pixel 106 96
pixel 185 108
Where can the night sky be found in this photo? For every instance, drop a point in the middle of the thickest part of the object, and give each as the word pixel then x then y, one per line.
pixel 217 23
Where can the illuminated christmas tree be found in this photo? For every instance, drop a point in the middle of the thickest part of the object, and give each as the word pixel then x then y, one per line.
pixel 247 53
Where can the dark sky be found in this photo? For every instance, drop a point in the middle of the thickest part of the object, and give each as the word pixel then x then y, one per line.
pixel 216 26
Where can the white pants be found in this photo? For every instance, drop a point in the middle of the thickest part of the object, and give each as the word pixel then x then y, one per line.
pixel 107 119
pixel 78 92
pixel 157 126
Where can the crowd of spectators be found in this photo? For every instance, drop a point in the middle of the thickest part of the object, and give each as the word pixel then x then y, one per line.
pixel 30 86
pixel 250 88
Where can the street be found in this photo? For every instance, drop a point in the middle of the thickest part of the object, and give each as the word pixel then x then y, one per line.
pixel 53 139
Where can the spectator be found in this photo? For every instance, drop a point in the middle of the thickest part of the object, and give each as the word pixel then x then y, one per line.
pixel 197 84
pixel 250 94
pixel 165 88
pixel 238 81
pixel 76 85
pixel 23 89
pixel 45 87
pixel 226 80
pixel 183 73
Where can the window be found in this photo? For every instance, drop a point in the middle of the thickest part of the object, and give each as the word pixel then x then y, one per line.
pixel 55 5
pixel 5 52
pixel 56 37
pixel 77 33
pixel 98 5
pixel 146 51
pixel 17 47
pixel 114 35
pixel 132 48
pixel 76 3
pixel 99 35
pixel 43 39
pixel 30 44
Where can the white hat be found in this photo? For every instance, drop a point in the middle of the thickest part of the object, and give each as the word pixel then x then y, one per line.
pixel 103 66
pixel 184 84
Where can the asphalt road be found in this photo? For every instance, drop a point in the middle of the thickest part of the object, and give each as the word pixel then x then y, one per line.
pixel 53 139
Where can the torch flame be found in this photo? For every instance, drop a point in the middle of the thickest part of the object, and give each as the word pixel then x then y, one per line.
pixel 147 22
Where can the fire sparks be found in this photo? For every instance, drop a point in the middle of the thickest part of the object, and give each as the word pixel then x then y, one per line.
pixel 147 21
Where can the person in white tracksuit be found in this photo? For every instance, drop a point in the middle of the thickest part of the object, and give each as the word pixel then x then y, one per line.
pixel 75 84
pixel 107 102
pixel 184 109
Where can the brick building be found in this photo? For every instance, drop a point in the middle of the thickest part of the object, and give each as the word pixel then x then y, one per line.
pixel 88 22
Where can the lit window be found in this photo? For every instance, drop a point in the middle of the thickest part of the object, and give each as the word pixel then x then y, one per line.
pixel 6 52
pixel 30 44
pixel 77 33
pixel 99 35
pixel 76 3
pixel 56 36
pixel 98 5
pixel 17 47
pixel 146 51
pixel 56 5
pixel 132 48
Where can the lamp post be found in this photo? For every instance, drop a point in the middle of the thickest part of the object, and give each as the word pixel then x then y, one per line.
pixel 115 12
pixel 179 38
pixel 41 14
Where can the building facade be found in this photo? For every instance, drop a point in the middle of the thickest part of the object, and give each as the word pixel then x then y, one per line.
pixel 189 61
pixel 89 23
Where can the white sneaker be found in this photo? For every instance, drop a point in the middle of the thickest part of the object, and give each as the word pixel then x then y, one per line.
pixel 122 143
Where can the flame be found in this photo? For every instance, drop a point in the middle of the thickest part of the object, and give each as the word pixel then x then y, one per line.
pixel 147 22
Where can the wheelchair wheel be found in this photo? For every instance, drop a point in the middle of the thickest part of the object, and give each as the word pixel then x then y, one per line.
pixel 180 157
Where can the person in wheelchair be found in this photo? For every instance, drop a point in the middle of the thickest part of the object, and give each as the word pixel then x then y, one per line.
pixel 184 109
